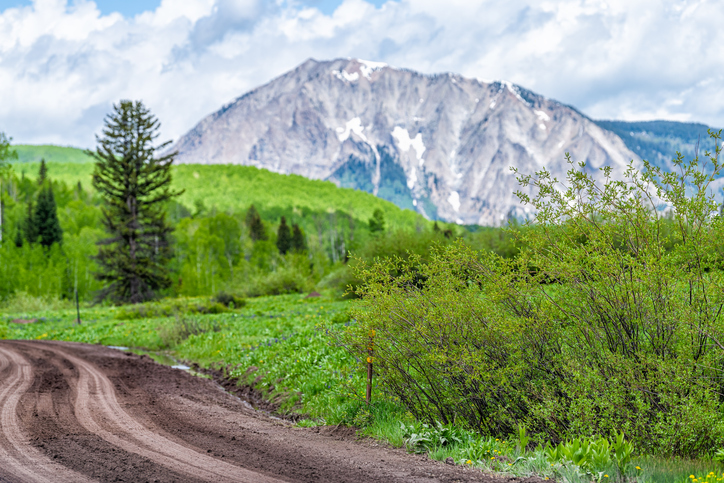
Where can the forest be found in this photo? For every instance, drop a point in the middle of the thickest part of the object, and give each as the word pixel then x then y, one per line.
pixel 213 250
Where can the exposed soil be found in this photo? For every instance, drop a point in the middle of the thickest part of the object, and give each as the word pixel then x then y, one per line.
pixel 75 413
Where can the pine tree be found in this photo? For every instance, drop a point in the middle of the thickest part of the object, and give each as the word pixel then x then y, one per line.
pixel 135 186
pixel 377 222
pixel 284 237
pixel 255 225
pixel 299 244
pixel 29 228
pixel 45 218
pixel 42 172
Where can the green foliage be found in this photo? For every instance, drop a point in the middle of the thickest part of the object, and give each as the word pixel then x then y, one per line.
pixel 284 237
pixel 135 185
pixel 7 153
pixel 377 222
pixel 42 172
pixel 230 301
pixel 609 319
pixel 45 227
pixel 299 243
pixel 28 153
pixel 255 225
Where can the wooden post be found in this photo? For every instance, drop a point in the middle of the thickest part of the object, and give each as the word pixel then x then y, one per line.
pixel 370 351
pixel 77 305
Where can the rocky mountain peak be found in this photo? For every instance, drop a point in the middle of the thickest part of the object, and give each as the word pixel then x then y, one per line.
pixel 439 144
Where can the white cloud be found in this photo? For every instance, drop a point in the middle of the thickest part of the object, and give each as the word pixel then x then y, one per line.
pixel 62 66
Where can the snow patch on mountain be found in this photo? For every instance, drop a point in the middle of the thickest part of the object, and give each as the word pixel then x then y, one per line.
pixel 402 136
pixel 542 115
pixel 454 200
pixel 367 67
pixel 355 126
pixel 346 76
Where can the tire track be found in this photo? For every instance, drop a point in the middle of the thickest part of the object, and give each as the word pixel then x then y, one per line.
pixel 17 457
pixel 98 411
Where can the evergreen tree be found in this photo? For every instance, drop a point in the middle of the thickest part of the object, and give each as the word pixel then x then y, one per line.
pixel 255 225
pixel 377 222
pixel 42 172
pixel 436 228
pixel 30 228
pixel 299 244
pixel 135 185
pixel 19 238
pixel 284 237
pixel 45 218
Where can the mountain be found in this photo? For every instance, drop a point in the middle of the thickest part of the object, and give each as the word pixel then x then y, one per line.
pixel 440 144
pixel 658 141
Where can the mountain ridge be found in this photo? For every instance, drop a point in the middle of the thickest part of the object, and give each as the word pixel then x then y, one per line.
pixel 440 144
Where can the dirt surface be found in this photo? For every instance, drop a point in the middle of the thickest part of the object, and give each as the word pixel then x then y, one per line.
pixel 76 413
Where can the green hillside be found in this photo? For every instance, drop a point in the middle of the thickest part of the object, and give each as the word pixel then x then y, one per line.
pixel 233 188
pixel 28 153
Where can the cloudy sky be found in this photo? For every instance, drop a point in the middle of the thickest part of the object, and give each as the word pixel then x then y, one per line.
pixel 63 63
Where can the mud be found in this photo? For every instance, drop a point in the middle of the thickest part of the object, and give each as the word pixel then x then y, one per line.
pixel 75 412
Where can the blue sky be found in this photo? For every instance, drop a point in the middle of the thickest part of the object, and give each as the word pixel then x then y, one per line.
pixel 130 8
pixel 63 63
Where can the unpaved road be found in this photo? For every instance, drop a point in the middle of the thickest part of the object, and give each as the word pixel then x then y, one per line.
pixel 76 413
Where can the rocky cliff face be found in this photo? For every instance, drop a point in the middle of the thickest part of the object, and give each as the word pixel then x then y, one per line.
pixel 441 144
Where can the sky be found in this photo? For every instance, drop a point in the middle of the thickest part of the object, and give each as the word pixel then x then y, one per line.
pixel 63 63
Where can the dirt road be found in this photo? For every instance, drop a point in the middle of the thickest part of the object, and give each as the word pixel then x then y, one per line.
pixel 78 413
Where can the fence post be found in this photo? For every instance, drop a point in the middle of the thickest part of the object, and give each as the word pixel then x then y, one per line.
pixel 77 306
pixel 370 351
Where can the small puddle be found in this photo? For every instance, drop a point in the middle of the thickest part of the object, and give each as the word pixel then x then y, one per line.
pixel 117 347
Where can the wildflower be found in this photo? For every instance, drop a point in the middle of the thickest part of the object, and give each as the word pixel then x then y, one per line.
pixel 638 467
pixel 468 462
pixel 605 476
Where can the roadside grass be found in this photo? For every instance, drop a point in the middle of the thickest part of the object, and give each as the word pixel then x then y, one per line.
pixel 277 345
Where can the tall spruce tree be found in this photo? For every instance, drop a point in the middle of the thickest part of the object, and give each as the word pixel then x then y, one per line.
pixel 134 184
pixel 42 172
pixel 255 224
pixel 29 228
pixel 299 244
pixel 45 218
pixel 284 237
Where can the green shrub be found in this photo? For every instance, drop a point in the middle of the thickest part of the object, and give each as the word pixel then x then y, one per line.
pixel 3 329
pixel 229 300
pixel 182 328
pixel 170 308
pixel 609 319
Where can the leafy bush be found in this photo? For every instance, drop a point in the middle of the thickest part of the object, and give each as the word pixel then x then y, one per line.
pixel 3 329
pixel 169 308
pixel 182 328
pixel 610 319
pixel 229 300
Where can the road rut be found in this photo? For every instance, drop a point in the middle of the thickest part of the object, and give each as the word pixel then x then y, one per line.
pixel 77 412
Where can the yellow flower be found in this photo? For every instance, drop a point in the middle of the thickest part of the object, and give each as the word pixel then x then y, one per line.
pixel 468 462
pixel 638 467
pixel 605 476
